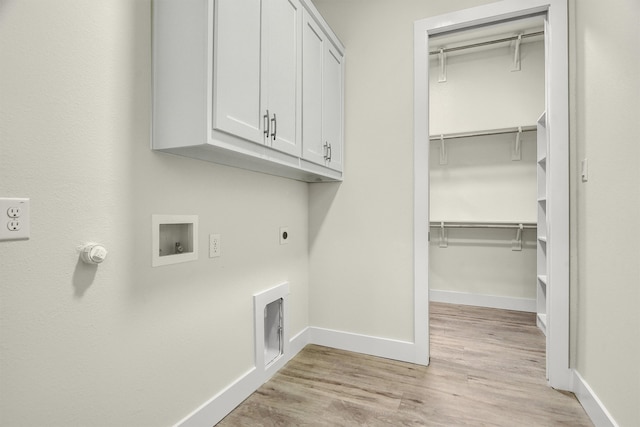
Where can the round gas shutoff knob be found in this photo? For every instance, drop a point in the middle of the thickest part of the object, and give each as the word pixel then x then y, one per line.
pixel 92 253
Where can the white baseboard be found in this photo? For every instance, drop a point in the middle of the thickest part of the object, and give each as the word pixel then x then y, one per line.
pixel 297 343
pixel 480 300
pixel 591 404
pixel 216 408
pixel 374 346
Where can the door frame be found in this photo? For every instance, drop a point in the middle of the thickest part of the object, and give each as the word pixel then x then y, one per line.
pixel 557 108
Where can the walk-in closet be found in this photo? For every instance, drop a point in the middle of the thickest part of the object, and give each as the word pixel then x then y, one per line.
pixel 487 174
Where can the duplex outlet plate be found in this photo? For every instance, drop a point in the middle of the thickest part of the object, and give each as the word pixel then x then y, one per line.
pixel 14 219
pixel 214 246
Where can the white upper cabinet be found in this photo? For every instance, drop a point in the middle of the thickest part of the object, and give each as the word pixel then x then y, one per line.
pixel 322 108
pixel 332 106
pixel 237 68
pixel 228 86
pixel 256 71
pixel 282 92
pixel 313 41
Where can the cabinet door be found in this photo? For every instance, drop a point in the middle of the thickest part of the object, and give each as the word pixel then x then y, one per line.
pixel 282 83
pixel 236 68
pixel 313 40
pixel 332 106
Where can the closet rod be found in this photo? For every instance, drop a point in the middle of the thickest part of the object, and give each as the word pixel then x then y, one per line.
pixel 501 225
pixel 481 133
pixel 488 42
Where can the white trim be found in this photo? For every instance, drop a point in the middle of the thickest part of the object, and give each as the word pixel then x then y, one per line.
pixel 220 405
pixel 300 341
pixel 591 404
pixel 216 408
pixel 557 109
pixel 557 101
pixel 420 194
pixel 365 344
pixel 481 300
pixel 260 301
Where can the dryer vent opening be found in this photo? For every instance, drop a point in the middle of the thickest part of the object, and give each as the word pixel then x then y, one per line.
pixel 271 308
pixel 273 328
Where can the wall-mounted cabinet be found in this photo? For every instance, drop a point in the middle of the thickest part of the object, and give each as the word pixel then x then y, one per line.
pixel 322 104
pixel 228 86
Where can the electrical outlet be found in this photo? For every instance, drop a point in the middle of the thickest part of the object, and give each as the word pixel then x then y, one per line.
pixel 14 212
pixel 14 225
pixel 284 235
pixel 14 219
pixel 214 246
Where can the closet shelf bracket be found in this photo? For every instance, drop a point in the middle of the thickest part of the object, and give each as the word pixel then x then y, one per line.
pixel 516 152
pixel 443 66
pixel 516 54
pixel 516 244
pixel 443 236
pixel 443 151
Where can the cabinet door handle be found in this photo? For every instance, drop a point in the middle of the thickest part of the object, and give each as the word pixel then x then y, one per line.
pixel 330 153
pixel 326 150
pixel 266 124
pixel 274 122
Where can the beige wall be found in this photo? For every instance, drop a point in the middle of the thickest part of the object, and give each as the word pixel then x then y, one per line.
pixel 605 109
pixel 480 181
pixel 127 344
pixel 359 287
pixel 361 231
pixel 123 344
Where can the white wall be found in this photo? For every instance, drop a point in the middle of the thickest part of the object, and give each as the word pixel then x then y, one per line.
pixel 606 210
pixel 123 344
pixel 480 181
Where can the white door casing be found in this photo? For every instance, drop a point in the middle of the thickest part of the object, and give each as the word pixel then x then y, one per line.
pixel 557 100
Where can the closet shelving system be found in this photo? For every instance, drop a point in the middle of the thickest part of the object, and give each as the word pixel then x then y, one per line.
pixel 543 281
pixel 516 154
pixel 519 227
pixel 488 132
pixel 488 42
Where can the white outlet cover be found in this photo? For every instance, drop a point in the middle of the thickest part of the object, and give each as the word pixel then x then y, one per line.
pixel 215 249
pixel 14 219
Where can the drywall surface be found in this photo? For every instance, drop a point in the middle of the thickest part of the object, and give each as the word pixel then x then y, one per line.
pixel 480 181
pixel 122 343
pixel 605 285
pixel 361 231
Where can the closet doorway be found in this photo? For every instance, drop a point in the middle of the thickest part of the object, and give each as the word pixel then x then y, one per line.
pixel 494 142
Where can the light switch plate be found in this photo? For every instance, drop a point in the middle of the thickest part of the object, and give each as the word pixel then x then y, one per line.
pixel 585 170
pixel 14 219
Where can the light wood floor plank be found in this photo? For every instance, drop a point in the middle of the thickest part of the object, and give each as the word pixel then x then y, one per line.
pixel 487 369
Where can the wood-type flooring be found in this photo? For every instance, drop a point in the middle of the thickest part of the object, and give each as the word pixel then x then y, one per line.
pixel 487 368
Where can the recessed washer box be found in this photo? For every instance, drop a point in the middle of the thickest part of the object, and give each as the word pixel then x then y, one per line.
pixel 174 239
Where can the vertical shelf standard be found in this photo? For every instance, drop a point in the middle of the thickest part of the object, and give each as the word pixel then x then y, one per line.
pixel 542 250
